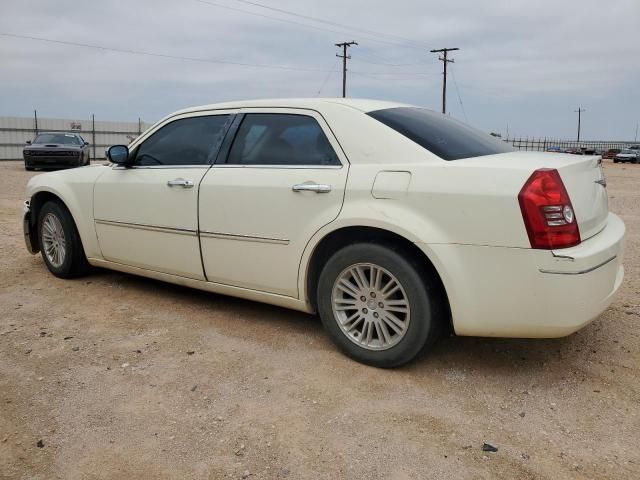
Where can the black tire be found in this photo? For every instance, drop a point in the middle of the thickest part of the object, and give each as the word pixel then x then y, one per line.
pixel 615 161
pixel 75 262
pixel 423 295
pixel 29 169
pixel 88 162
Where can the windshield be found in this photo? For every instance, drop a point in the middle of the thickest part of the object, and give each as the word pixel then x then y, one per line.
pixel 441 135
pixel 626 150
pixel 59 138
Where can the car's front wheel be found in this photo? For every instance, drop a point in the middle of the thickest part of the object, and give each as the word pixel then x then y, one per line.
pixel 60 242
pixel 377 306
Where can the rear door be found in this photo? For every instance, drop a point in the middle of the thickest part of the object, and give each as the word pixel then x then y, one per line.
pixel 282 179
pixel 146 216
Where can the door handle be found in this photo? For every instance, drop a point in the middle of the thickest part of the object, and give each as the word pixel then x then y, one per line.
pixel 180 182
pixel 312 187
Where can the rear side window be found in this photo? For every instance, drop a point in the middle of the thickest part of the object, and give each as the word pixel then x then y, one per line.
pixel 281 139
pixel 441 135
pixel 188 141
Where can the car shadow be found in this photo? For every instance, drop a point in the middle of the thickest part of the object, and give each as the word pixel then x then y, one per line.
pixel 481 355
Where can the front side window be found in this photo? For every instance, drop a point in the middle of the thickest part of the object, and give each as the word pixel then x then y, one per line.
pixel 441 135
pixel 281 139
pixel 188 141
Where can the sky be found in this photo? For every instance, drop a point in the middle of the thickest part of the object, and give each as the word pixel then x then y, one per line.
pixel 523 68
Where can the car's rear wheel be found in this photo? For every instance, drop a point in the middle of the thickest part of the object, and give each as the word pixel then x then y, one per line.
pixel 60 242
pixel 377 306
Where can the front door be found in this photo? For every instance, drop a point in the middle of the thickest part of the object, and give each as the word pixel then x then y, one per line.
pixel 282 180
pixel 147 215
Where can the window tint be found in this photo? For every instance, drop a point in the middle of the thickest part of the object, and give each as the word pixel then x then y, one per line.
pixel 281 139
pixel 189 141
pixel 441 135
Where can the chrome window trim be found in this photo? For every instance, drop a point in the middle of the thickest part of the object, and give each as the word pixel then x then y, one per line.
pixel 159 167
pixel 151 228
pixel 246 238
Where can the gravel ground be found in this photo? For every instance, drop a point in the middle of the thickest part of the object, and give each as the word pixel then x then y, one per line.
pixel 115 376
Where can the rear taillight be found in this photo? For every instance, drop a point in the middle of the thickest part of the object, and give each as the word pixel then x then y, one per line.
pixel 547 211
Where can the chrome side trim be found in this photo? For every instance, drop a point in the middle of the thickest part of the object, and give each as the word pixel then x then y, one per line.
pixel 151 228
pixel 558 272
pixel 245 238
pixel 280 167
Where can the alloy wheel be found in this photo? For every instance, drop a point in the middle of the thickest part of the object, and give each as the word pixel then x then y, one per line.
pixel 53 240
pixel 370 306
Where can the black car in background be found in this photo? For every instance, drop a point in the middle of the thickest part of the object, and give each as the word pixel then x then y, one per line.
pixel 56 150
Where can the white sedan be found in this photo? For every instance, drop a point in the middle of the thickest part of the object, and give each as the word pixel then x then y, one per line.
pixel 394 223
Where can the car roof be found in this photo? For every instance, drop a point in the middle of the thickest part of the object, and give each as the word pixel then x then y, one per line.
pixel 59 133
pixel 362 104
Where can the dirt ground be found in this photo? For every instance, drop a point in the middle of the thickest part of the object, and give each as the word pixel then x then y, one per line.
pixel 115 376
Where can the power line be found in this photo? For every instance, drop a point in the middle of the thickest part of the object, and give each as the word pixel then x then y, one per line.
pixel 370 56
pixel 396 76
pixel 160 55
pixel 344 57
pixel 408 41
pixel 326 79
pixel 455 84
pixel 445 61
pixel 305 25
pixel 363 60
pixel 190 59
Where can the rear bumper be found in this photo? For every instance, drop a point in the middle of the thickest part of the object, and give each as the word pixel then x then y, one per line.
pixel 516 292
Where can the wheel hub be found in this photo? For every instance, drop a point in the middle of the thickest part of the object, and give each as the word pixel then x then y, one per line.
pixel 53 240
pixel 370 306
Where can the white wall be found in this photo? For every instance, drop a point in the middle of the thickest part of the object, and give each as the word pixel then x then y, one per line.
pixel 15 131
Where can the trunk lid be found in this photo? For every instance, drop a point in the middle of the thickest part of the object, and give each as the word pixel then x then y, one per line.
pixel 585 183
pixel 582 175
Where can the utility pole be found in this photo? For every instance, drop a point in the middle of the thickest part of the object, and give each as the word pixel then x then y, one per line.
pixel 344 58
pixel 636 139
pixel 579 112
pixel 444 60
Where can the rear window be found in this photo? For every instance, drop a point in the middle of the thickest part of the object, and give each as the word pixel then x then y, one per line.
pixel 441 135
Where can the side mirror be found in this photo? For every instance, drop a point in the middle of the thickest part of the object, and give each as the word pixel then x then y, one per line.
pixel 86 143
pixel 28 142
pixel 118 154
